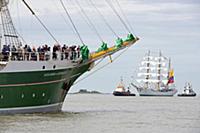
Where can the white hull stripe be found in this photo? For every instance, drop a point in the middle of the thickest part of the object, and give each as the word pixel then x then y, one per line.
pixel 29 84
pixel 29 108
pixel 38 83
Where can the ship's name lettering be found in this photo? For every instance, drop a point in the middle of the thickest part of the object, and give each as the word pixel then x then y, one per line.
pixel 54 74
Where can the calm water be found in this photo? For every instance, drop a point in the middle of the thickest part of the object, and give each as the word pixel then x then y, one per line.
pixel 89 113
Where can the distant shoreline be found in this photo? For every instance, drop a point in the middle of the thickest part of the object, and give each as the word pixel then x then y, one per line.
pixel 85 91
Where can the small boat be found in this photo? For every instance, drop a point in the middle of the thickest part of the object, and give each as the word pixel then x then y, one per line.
pixel 121 91
pixel 188 91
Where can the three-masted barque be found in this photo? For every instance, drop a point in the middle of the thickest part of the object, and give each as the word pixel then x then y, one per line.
pixel 155 76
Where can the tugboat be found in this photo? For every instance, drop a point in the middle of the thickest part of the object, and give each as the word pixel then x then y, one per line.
pixel 121 91
pixel 188 91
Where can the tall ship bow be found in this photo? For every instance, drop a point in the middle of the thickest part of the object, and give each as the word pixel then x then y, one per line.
pixel 38 80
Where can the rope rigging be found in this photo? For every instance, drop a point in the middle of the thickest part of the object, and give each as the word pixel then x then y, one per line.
pixel 23 40
pixel 19 23
pixel 8 33
pixel 33 13
pixel 18 16
pixel 101 15
pixel 64 18
pixel 88 21
pixel 101 66
pixel 117 14
pixel 78 34
pixel 125 16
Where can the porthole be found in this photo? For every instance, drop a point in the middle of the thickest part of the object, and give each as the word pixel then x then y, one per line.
pixel 54 66
pixel 49 101
pixel 1 96
pixel 43 67
pixel 43 94
pixel 22 95
pixel 33 95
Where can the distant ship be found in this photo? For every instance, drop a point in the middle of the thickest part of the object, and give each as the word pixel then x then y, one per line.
pixel 155 77
pixel 121 90
pixel 39 80
pixel 188 91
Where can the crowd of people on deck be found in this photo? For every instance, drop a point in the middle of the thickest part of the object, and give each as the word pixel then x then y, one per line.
pixel 40 53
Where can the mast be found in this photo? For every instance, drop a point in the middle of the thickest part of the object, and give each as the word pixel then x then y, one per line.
pixel 169 69
pixel 159 70
pixel 148 70
pixel 9 34
pixel 169 66
pixel 121 80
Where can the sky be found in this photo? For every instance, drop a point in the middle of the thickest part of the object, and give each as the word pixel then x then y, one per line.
pixel 172 26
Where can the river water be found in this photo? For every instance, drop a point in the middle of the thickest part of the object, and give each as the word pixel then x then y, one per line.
pixel 93 113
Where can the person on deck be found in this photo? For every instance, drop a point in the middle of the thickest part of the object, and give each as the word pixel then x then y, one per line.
pixel 13 53
pixel 5 52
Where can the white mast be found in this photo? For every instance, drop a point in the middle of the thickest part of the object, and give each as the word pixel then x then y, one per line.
pixel 169 67
pixel 159 70
pixel 148 70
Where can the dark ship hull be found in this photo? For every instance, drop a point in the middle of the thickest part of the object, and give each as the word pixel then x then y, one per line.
pixel 187 95
pixel 37 91
pixel 116 93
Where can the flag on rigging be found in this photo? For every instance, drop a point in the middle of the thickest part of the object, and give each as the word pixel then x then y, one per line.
pixel 171 77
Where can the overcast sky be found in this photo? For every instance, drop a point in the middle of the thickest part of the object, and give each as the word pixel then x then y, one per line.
pixel 172 26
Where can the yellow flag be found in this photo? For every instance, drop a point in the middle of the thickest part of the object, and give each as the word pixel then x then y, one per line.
pixel 171 73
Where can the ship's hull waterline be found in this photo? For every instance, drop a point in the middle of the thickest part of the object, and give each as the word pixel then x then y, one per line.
pixel 36 91
pixel 151 92
pixel 187 95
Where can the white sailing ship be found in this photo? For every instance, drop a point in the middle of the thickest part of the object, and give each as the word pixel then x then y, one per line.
pixel 155 77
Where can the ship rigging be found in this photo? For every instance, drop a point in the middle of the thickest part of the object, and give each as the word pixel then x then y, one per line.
pixel 155 76
pixel 38 80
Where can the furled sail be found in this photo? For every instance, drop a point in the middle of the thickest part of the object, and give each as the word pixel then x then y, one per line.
pixel 154 63
pixel 148 57
pixel 160 58
pixel 152 74
pixel 153 68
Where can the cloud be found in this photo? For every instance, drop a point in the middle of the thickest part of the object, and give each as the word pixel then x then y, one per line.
pixel 162 11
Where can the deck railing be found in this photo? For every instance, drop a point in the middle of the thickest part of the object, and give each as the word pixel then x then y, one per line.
pixel 39 56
